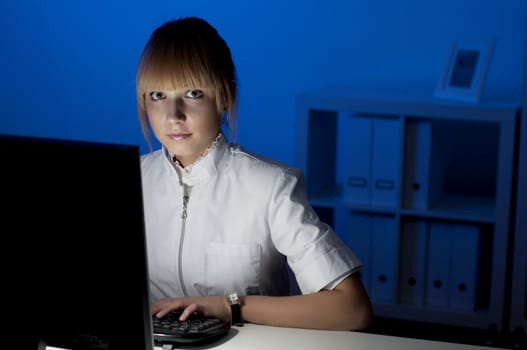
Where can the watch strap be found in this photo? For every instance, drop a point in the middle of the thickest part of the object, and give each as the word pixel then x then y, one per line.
pixel 236 312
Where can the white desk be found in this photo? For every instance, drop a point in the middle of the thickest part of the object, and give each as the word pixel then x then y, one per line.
pixel 256 337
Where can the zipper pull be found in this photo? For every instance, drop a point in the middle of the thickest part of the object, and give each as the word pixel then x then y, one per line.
pixel 185 202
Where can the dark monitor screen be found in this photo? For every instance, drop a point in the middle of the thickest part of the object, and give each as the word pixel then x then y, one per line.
pixel 74 267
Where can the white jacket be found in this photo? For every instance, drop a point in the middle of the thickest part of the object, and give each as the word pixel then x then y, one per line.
pixel 244 217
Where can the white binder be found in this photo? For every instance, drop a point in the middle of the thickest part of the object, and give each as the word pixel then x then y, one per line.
pixel 385 161
pixel 438 264
pixel 414 241
pixel 385 249
pixel 418 153
pixel 355 229
pixel 465 266
pixel 356 157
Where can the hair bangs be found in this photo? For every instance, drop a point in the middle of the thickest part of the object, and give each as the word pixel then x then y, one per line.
pixel 170 72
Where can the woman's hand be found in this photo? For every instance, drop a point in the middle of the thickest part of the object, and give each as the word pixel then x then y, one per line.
pixel 209 306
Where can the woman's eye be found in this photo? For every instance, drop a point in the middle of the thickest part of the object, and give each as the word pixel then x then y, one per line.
pixel 194 93
pixel 157 95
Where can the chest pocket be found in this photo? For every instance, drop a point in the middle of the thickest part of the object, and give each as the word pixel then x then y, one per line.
pixel 233 268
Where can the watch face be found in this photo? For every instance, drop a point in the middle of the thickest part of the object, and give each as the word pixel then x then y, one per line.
pixel 233 298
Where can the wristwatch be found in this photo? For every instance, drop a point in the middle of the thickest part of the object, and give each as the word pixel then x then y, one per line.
pixel 236 311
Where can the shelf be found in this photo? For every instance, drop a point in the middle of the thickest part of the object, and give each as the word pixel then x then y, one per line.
pixel 482 319
pixel 459 207
pixel 453 207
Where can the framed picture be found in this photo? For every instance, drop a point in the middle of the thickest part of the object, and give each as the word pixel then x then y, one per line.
pixel 466 70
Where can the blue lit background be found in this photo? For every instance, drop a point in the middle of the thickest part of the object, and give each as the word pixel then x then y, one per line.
pixel 67 68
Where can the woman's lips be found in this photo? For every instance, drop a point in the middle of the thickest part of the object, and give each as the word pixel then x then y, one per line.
pixel 178 136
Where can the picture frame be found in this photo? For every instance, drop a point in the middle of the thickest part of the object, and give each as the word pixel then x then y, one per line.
pixel 466 70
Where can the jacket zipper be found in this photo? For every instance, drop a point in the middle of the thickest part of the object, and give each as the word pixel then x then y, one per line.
pixel 186 195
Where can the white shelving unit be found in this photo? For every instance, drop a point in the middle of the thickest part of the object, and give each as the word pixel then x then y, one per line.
pixel 518 316
pixel 399 175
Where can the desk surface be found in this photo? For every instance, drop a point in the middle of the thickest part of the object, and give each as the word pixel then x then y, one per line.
pixel 257 337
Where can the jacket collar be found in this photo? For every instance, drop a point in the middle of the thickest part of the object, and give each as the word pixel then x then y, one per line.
pixel 205 167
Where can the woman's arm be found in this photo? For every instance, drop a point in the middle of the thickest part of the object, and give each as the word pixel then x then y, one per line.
pixel 347 307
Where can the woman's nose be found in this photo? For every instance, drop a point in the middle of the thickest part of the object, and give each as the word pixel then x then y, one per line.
pixel 176 111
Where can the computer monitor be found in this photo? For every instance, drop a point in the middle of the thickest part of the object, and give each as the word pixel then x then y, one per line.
pixel 74 265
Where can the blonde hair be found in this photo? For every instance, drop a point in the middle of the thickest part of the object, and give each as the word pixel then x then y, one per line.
pixel 188 52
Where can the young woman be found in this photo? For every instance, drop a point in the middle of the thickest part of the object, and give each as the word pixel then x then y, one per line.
pixel 221 221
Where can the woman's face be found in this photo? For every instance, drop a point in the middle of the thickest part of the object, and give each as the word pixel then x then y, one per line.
pixel 185 121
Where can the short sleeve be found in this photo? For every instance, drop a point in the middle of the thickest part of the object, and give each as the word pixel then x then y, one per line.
pixel 316 255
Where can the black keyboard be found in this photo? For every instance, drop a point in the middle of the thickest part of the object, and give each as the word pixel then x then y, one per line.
pixel 195 329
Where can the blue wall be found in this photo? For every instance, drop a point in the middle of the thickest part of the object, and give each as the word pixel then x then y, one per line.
pixel 67 68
